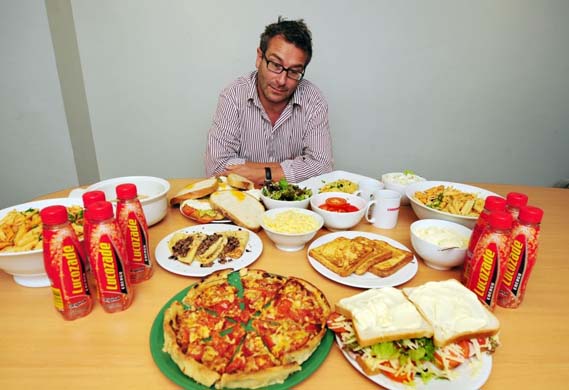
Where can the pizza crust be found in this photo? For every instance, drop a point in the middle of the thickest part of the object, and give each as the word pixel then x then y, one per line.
pixel 187 364
pixel 262 378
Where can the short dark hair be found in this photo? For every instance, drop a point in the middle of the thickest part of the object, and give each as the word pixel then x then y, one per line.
pixel 294 31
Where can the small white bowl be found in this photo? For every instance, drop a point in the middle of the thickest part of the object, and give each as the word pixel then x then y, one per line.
pixel 431 253
pixel 399 181
pixel 27 267
pixel 275 204
pixel 291 242
pixel 424 212
pixel 152 193
pixel 335 220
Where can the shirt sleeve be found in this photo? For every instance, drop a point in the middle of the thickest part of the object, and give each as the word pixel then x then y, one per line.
pixel 317 157
pixel 223 138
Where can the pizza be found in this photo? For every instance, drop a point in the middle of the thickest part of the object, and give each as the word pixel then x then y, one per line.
pixel 245 329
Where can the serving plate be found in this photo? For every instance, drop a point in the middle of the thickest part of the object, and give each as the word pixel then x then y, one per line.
pixel 317 182
pixel 468 376
pixel 172 371
pixel 252 252
pixel 367 280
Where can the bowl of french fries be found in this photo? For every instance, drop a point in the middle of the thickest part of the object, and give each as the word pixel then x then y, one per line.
pixel 21 245
pixel 455 202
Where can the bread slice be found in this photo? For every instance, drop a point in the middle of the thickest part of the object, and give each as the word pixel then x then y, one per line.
pixel 343 255
pixel 399 258
pixel 183 246
pixel 243 209
pixel 195 190
pixel 454 312
pixel 381 253
pixel 383 314
pixel 239 182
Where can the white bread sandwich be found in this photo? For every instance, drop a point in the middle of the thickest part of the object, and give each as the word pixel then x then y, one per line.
pixel 462 325
pixel 239 182
pixel 378 329
pixel 241 208
pixel 195 190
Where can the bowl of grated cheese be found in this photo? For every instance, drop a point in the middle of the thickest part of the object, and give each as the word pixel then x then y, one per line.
pixel 291 228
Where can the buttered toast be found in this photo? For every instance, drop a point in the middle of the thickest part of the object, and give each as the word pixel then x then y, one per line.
pixel 345 256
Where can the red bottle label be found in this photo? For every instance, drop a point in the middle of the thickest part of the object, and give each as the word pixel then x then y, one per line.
pixel 516 266
pixel 136 242
pixel 63 261
pixel 107 264
pixel 485 273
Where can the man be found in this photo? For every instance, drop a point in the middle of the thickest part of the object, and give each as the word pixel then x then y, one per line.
pixel 273 117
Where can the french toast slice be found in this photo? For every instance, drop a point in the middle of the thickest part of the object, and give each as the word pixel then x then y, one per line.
pixel 381 253
pixel 342 255
pixel 398 260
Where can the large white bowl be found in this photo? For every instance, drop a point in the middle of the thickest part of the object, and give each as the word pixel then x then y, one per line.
pixel 391 182
pixel 27 267
pixel 424 212
pixel 291 242
pixel 151 190
pixel 276 204
pixel 339 221
pixel 431 253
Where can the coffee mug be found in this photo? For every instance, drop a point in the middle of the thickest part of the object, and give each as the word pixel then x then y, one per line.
pixel 384 209
pixel 366 188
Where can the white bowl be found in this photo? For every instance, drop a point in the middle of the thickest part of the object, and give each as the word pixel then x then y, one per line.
pixel 424 212
pixel 152 192
pixel 27 267
pixel 431 253
pixel 335 220
pixel 398 181
pixel 291 242
pixel 275 204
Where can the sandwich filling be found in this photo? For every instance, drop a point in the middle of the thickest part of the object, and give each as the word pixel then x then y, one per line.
pixel 405 359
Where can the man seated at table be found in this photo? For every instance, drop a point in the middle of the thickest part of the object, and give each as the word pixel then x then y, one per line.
pixel 273 117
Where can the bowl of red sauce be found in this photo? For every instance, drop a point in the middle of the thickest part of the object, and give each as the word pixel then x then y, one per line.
pixel 340 211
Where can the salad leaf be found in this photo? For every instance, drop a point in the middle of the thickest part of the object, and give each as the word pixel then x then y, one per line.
pixel 408 172
pixel 282 190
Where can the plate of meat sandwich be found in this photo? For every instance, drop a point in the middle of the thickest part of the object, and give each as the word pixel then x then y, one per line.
pixel 434 336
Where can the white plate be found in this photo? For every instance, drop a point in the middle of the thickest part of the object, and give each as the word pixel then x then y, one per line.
pixel 252 252
pixel 468 376
pixel 367 280
pixel 317 182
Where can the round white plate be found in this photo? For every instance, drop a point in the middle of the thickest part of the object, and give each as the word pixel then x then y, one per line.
pixel 469 376
pixel 367 280
pixel 252 252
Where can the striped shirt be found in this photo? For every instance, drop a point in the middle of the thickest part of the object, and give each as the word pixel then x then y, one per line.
pixel 242 131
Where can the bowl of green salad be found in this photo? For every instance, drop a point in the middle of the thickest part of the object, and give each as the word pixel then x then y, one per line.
pixel 284 194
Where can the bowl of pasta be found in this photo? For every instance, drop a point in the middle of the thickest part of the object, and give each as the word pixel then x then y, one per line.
pixel 449 201
pixel 21 246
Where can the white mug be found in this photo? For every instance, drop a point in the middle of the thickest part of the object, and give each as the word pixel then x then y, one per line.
pixel 366 188
pixel 384 209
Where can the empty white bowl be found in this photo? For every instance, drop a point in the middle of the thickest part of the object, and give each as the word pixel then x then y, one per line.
pixel 434 250
pixel 335 220
pixel 151 190
pixel 424 212
pixel 399 181
pixel 27 267
pixel 291 241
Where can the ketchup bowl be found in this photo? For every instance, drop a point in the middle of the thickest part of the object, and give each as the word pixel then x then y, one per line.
pixel 340 211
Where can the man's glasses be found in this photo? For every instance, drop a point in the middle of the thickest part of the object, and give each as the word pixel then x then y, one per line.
pixel 278 68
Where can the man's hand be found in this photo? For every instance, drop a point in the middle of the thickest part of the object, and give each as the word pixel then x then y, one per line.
pixel 255 171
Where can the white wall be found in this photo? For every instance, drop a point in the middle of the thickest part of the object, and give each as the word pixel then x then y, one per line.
pixel 35 150
pixel 456 90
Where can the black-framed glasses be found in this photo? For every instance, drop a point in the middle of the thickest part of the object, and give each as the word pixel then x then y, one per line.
pixel 278 68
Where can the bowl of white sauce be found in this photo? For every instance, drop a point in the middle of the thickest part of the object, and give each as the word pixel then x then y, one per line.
pixel 441 244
